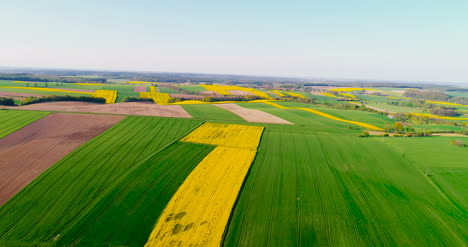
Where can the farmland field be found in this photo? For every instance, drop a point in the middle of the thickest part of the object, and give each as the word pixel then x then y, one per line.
pixel 123 91
pixel 63 195
pixel 10 120
pixel 211 112
pixel 193 88
pixel 25 153
pixel 288 171
pixel 309 189
pixel 166 90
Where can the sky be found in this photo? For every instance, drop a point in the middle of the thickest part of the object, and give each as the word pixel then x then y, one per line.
pixel 404 40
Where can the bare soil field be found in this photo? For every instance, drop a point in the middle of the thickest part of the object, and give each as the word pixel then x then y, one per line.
pixel 139 89
pixel 126 108
pixel 240 92
pixel 211 93
pixel 18 95
pixel 26 153
pixel 251 115
pixel 187 96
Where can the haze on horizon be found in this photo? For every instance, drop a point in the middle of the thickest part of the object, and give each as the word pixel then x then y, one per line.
pixel 382 40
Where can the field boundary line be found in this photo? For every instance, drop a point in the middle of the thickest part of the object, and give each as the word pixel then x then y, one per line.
pixel 326 115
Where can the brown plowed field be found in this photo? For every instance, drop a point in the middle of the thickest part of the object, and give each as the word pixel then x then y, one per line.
pixel 187 96
pixel 139 89
pixel 18 95
pixel 240 92
pixel 127 108
pixel 251 115
pixel 26 153
pixel 211 93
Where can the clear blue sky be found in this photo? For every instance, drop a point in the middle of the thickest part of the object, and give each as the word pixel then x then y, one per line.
pixel 421 40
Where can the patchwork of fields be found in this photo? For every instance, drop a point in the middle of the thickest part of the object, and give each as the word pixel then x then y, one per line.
pixel 256 173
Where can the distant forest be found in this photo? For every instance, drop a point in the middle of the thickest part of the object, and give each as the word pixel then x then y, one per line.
pixel 82 76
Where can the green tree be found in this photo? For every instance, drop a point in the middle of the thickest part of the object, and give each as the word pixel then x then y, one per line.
pixel 398 126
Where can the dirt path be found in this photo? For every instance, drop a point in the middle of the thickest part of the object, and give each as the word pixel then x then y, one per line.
pixel 127 108
pixel 26 153
pixel 250 115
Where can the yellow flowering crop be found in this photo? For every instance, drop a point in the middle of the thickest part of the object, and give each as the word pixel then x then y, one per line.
pixel 348 89
pixel 296 95
pixel 158 98
pixel 348 95
pixel 109 95
pixel 199 211
pixel 443 103
pixel 329 95
pixel 223 90
pixel 279 93
pixel 439 117
pixel 323 114
pixel 228 135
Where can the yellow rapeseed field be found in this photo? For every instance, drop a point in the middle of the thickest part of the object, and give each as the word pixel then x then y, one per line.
pixel 199 211
pixel 443 103
pixel 158 98
pixel 296 95
pixel 228 135
pixel 323 114
pixel 109 95
pixel 329 95
pixel 223 90
pixel 347 95
pixel 196 102
pixel 439 117
pixel 279 93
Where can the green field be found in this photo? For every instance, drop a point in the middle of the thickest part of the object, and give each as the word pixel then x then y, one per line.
pixel 76 190
pixel 310 189
pixel 457 93
pixel 193 88
pixel 211 112
pixel 298 117
pixel 123 91
pixel 361 116
pixel 445 163
pixel 166 90
pixel 313 183
pixel 11 120
pixel 49 85
pixel 128 212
